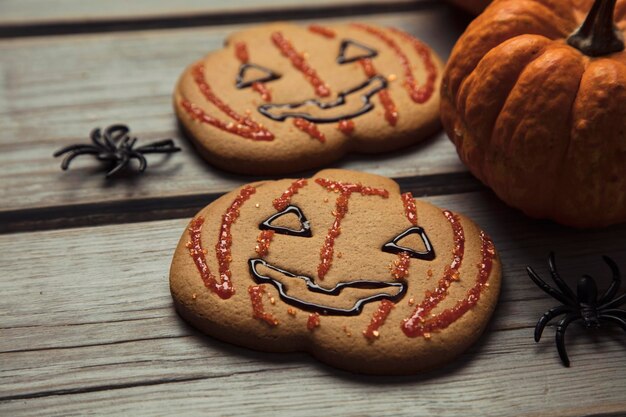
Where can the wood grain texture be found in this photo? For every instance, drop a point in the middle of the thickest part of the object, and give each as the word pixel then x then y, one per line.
pixel 160 208
pixel 13 12
pixel 54 90
pixel 88 325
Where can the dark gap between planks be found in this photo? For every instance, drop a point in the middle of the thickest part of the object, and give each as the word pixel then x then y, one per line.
pixel 209 19
pixel 72 391
pixel 164 208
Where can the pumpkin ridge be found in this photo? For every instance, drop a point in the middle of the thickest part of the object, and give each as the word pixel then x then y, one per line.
pixel 558 187
pixel 612 145
pixel 462 107
pixel 498 32
pixel 489 144
pixel 524 114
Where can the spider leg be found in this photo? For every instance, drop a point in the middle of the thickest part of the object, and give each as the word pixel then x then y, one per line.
pixel 96 138
pixel 621 322
pixel 547 316
pixel 124 143
pixel 560 336
pixel 121 164
pixel 615 312
pixel 617 281
pixel 132 143
pixel 162 146
pixel 114 133
pixel 72 148
pixel 164 142
pixel 66 162
pixel 615 302
pixel 142 160
pixel 556 277
pixel 548 289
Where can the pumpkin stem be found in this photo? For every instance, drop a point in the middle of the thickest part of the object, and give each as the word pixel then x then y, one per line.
pixel 598 35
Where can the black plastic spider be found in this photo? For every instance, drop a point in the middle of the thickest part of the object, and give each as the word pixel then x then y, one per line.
pixel 584 305
pixel 115 147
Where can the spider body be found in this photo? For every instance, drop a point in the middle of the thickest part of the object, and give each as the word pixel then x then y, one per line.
pixel 584 305
pixel 116 147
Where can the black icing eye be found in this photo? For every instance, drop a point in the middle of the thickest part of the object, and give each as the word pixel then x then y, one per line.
pixel 303 231
pixel 428 254
pixel 350 51
pixel 253 73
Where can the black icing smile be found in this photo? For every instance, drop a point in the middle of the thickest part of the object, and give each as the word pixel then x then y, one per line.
pixel 362 92
pixel 313 287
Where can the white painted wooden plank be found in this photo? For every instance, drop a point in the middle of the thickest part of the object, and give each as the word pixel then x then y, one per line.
pixel 14 12
pixel 519 379
pixel 89 310
pixel 54 90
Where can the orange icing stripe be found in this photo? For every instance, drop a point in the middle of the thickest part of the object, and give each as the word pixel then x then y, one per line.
pixel 322 30
pixel 299 62
pixel 262 89
pixel 345 190
pixel 346 127
pixel 400 268
pixel 391 111
pixel 198 114
pixel 197 253
pixel 284 200
pixel 423 93
pixel 313 321
pixel 378 319
pixel 258 310
pixel 224 288
pixel 414 325
pixel 205 88
pixel 449 316
pixel 225 238
pixel 241 52
pixel 263 242
pixel 309 128
pixel 245 126
pixel 409 208
pixel 419 95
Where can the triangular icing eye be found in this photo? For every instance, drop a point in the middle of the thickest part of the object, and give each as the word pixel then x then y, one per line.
pixel 253 73
pixel 428 254
pixel 351 51
pixel 305 227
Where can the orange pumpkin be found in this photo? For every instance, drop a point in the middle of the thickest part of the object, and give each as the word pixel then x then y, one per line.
pixel 537 107
pixel 472 6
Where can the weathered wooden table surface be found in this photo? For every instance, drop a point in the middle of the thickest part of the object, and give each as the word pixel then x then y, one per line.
pixel 86 320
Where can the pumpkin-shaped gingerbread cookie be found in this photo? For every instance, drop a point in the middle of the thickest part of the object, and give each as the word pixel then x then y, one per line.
pixel 537 107
pixel 281 98
pixel 341 265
